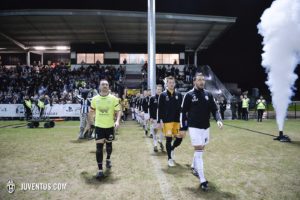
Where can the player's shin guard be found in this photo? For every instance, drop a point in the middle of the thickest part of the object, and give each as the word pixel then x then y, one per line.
pixel 108 150
pixel 169 146
pixel 198 164
pixel 99 155
pixel 176 143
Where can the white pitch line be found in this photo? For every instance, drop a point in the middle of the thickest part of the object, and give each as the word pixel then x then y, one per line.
pixel 164 185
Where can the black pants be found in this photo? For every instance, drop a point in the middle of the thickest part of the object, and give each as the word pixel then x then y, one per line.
pixel 239 113
pixel 233 114
pixel 28 114
pixel 260 113
pixel 245 114
pixel 41 112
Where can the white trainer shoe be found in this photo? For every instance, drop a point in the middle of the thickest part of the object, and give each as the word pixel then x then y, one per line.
pixel 171 163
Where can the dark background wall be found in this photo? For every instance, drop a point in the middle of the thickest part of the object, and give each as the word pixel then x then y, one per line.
pixel 124 48
pixel 35 58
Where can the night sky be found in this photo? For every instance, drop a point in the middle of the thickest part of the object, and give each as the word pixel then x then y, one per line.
pixel 235 57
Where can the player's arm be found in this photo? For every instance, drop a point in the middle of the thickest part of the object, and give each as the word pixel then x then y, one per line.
pixel 215 111
pixel 144 105
pixel 93 106
pixel 185 107
pixel 140 105
pixel 160 108
pixel 117 108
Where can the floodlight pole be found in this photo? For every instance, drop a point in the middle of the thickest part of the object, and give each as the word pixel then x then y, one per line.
pixel 151 77
pixel 28 58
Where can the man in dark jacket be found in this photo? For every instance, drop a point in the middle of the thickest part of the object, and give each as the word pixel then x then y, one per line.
pixel 169 104
pixel 196 107
pixel 155 127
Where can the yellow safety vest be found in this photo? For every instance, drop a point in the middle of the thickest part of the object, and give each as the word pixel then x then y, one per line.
pixel 28 103
pixel 261 105
pixel 41 104
pixel 245 103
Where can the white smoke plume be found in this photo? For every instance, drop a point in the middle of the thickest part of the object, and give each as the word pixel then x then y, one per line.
pixel 280 28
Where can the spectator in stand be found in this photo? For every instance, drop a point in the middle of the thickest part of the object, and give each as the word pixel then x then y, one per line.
pixel 168 70
pixel 186 73
pixel 163 72
pixel 177 73
pixel 58 82
pixel 98 63
pixel 173 71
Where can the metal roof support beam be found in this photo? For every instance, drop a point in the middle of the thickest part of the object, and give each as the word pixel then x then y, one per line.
pixel 115 13
pixel 28 58
pixel 19 44
pixel 105 33
pixel 204 38
pixel 69 27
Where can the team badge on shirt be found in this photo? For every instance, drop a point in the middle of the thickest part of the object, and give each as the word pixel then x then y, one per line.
pixel 167 98
pixel 194 99
pixel 206 97
pixel 176 97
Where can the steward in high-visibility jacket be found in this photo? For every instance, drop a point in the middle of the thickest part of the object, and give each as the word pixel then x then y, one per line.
pixel 27 106
pixel 245 107
pixel 41 105
pixel 261 107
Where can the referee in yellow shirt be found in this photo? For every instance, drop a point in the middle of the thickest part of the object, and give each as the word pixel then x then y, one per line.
pixel 106 106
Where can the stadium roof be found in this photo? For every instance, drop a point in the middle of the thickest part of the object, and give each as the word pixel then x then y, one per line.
pixel 22 29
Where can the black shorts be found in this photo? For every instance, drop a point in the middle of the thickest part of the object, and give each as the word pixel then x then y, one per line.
pixel 104 133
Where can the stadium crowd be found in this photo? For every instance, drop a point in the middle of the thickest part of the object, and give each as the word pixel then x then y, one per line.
pixel 184 76
pixel 60 83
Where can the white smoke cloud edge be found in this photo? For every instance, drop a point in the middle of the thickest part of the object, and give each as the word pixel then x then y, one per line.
pixel 280 28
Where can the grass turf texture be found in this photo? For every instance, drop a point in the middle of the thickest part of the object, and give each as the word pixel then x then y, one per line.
pixel 239 164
